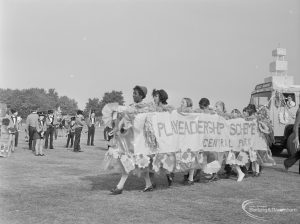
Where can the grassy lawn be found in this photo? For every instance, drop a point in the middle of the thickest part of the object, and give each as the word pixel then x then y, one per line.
pixel 67 187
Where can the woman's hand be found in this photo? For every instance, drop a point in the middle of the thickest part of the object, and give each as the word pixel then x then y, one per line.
pixel 296 142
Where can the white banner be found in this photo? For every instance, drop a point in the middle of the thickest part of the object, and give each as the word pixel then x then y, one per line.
pixel 175 132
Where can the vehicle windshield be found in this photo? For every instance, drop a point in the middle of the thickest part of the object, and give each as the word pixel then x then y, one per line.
pixel 261 99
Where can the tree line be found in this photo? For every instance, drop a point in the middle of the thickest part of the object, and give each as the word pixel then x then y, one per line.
pixel 27 99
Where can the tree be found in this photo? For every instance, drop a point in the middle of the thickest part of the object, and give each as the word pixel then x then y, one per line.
pixel 112 97
pixel 109 97
pixel 67 105
pixel 27 99
pixel 53 98
pixel 93 104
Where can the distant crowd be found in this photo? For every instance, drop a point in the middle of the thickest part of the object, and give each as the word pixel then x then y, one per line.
pixel 42 128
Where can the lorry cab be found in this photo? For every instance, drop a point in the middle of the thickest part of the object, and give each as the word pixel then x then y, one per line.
pixel 282 98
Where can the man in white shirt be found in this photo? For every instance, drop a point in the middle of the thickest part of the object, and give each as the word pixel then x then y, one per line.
pixel 91 123
pixel 50 122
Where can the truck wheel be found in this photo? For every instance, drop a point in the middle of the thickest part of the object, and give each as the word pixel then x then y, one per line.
pixel 290 146
pixel 276 150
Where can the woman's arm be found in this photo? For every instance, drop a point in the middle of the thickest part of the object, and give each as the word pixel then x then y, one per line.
pixel 296 129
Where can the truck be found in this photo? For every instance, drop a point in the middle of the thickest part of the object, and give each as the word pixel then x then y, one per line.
pixel 279 94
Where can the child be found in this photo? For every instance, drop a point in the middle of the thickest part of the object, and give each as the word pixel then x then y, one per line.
pixel 71 132
pixel 235 113
pixel 79 123
pixel 5 139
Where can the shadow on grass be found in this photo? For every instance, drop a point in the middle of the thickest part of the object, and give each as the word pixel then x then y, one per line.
pixel 108 181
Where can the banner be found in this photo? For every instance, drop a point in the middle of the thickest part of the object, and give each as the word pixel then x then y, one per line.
pixel 176 132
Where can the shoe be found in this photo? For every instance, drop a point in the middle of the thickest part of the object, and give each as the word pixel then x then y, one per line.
pixel 197 179
pixel 154 185
pixel 147 189
pixel 214 178
pixel 116 191
pixel 51 148
pixel 88 144
pixel 79 151
pixel 255 174
pixel 92 145
pixel 189 183
pixel 42 154
pixel 37 155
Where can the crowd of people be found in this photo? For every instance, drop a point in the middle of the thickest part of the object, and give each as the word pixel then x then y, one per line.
pixel 41 125
pixel 41 130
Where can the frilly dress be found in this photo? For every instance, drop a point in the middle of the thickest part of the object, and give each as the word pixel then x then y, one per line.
pixel 120 158
pixel 261 156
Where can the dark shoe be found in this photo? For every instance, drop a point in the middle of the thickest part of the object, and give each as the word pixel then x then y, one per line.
pixel 51 148
pixel 154 185
pixel 87 144
pixel 116 191
pixel 147 189
pixel 214 178
pixel 92 145
pixel 197 179
pixel 255 174
pixel 42 154
pixel 189 183
pixel 79 151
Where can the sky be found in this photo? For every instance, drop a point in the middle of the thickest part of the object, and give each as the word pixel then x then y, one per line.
pixel 218 49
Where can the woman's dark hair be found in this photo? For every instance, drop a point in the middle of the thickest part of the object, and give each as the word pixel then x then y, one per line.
pixel 140 91
pixel 251 109
pixel 204 103
pixel 162 95
pixel 5 121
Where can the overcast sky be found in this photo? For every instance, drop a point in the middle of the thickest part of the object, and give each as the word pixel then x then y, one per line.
pixel 219 49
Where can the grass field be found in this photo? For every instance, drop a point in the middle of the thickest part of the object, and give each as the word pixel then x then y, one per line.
pixel 67 187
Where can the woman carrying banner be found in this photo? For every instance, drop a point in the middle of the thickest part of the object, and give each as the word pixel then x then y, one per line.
pixel 139 93
pixel 231 157
pixel 160 98
pixel 187 107
pixel 219 156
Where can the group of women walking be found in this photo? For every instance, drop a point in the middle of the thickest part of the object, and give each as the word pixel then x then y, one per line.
pixel 191 175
